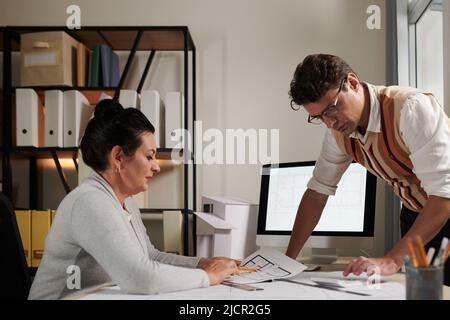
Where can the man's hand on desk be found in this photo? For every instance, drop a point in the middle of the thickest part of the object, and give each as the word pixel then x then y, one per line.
pixel 385 266
pixel 219 268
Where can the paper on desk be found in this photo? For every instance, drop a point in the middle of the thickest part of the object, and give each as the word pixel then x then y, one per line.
pixel 383 289
pixel 350 280
pixel 270 265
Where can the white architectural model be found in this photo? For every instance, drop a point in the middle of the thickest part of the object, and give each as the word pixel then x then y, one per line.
pixel 226 228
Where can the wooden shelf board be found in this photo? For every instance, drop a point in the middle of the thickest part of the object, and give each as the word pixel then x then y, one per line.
pixel 163 38
pixel 44 153
pixel 159 210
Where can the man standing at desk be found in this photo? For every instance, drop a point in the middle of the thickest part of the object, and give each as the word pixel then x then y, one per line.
pixel 401 135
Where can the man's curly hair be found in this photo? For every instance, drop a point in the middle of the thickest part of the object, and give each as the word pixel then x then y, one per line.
pixel 317 74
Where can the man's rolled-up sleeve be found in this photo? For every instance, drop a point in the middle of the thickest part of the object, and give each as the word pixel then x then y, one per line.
pixel 330 166
pixel 426 132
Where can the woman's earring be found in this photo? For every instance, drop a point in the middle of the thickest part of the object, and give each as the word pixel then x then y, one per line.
pixel 117 169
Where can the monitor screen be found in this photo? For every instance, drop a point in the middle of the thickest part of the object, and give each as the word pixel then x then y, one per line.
pixel 349 213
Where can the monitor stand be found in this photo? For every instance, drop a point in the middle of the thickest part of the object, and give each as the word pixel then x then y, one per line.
pixel 323 256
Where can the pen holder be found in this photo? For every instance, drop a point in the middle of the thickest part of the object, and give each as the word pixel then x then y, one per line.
pixel 424 283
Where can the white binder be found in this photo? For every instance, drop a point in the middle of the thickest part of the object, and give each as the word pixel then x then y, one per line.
pixel 153 108
pixel 54 118
pixel 129 98
pixel 173 231
pixel 77 113
pixel 141 199
pixel 174 105
pixel 29 119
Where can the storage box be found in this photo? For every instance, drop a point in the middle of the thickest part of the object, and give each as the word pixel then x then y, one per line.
pixel 48 58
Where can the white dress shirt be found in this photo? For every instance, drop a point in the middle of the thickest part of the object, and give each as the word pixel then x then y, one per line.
pixel 424 127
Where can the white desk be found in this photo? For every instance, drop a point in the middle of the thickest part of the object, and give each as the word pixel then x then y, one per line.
pixel 277 290
pixel 392 289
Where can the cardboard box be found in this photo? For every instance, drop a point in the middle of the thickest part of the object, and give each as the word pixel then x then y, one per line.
pixel 48 58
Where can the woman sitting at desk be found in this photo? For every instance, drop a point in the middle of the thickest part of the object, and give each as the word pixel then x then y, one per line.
pixel 98 227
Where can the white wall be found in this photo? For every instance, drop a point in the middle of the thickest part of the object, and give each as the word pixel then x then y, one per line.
pixel 247 53
pixel 446 37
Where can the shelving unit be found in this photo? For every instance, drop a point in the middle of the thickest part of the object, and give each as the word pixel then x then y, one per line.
pixel 124 38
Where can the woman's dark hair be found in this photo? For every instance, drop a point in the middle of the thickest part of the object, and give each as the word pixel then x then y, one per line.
pixel 317 74
pixel 112 125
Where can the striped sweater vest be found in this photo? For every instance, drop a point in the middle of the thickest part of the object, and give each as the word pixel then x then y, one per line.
pixel 385 154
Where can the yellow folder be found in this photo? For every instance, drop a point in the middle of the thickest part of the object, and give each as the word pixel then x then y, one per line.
pixel 53 212
pixel 40 224
pixel 23 218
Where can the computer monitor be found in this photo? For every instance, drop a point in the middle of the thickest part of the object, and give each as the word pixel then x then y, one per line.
pixel 348 214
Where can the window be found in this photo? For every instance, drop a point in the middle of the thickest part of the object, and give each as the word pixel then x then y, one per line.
pixel 426 46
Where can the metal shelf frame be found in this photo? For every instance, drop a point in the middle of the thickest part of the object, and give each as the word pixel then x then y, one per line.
pixel 125 38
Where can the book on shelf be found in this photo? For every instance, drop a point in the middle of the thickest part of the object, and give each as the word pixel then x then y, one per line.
pixel 94 76
pixel 23 218
pixel 114 69
pixel 53 215
pixel 34 226
pixel 105 65
pixel 82 64
pixel 40 224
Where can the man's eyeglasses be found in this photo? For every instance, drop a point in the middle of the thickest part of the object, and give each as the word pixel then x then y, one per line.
pixel 329 111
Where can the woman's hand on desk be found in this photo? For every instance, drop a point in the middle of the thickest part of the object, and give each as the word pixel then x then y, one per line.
pixel 384 266
pixel 219 268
